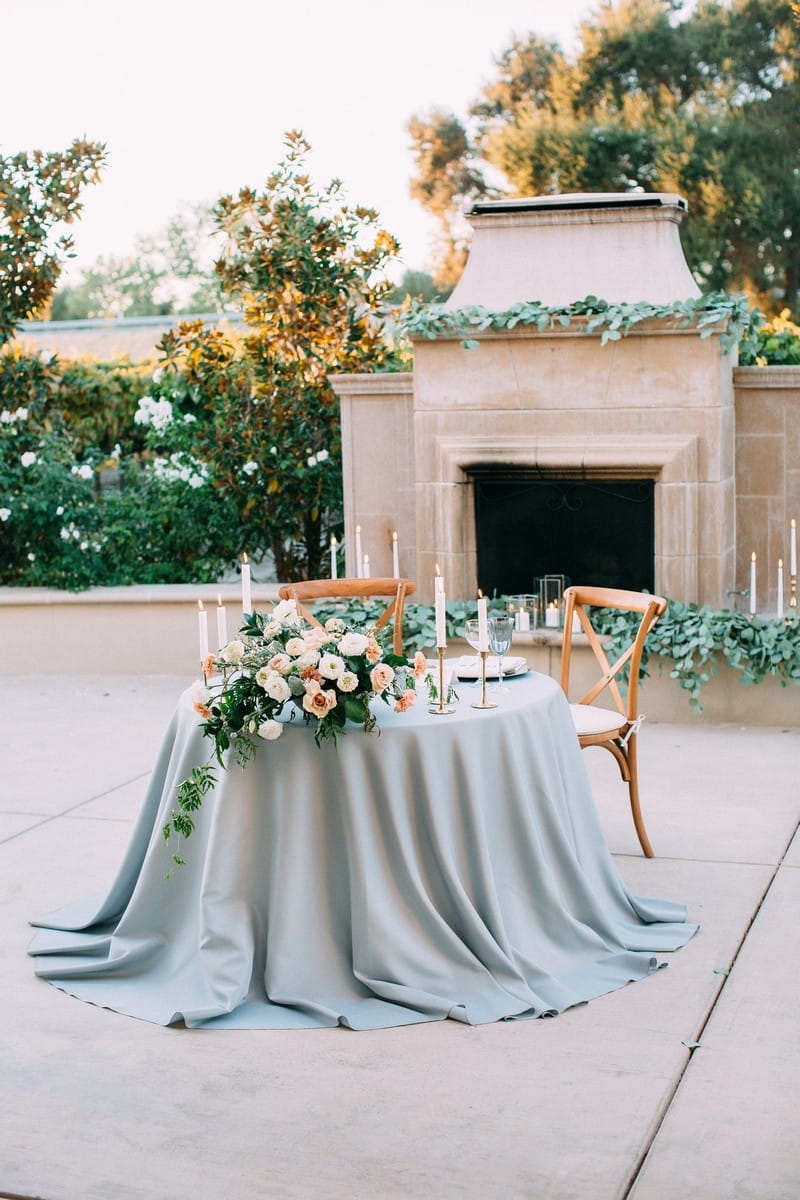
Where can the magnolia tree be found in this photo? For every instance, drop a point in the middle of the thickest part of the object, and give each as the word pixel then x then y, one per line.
pixel 306 269
pixel 39 192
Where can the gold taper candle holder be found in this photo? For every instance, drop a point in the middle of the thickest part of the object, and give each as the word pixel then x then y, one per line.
pixel 442 708
pixel 483 702
pixel 793 593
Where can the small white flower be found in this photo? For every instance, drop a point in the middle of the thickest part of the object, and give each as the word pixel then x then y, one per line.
pixel 82 472
pixel 65 535
pixel 157 373
pixel 28 458
pixel 189 418
pixel 196 481
pixel 157 413
pixel 233 652
pixel 285 612
pixel 84 546
pixel 250 468
pixel 277 688
pixel 331 666
pixel 322 455
pixel 21 414
pixel 117 451
pixel 312 461
pixel 353 644
pixel 347 682
pixel 6 418
pixel 199 692
pixel 273 449
pixel 270 730
pixel 31 557
pixel 60 510
pixel 5 513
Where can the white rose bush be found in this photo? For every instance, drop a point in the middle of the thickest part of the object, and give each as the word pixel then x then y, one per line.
pixel 276 671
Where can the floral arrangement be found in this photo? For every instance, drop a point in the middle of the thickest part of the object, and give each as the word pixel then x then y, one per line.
pixel 329 674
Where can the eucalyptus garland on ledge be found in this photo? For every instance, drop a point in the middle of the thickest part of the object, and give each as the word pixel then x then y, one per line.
pixel 715 312
pixel 694 640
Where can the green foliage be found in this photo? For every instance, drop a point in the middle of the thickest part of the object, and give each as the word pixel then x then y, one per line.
pixel 307 271
pixel 695 639
pixel 717 313
pixel 39 192
pixel 774 343
pixel 661 95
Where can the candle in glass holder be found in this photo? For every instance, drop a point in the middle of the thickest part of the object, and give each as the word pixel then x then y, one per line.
pixel 551 615
pixel 779 605
pixel 247 602
pixel 483 624
pixel 222 622
pixel 333 557
pixel 753 584
pixel 395 556
pixel 359 557
pixel 202 626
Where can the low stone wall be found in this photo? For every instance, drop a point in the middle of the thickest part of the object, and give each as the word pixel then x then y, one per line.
pixel 153 631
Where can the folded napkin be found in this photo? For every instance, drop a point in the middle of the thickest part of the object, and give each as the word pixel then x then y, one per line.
pixel 469 666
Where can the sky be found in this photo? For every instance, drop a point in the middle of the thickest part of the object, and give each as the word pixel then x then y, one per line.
pixel 192 98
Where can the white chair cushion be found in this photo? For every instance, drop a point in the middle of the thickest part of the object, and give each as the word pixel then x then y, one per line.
pixel 587 718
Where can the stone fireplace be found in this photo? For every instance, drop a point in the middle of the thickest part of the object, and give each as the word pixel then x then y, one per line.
pixel 651 414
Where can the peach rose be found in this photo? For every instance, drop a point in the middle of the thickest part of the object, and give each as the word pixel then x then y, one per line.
pixel 420 664
pixel 208 664
pixel 311 673
pixel 319 703
pixel 405 701
pixel 203 710
pixel 373 650
pixel 380 677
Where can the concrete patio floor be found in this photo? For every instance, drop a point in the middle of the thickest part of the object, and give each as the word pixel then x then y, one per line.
pixel 685 1086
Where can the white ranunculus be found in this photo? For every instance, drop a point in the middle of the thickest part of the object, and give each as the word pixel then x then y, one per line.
pixel 347 682
pixel 270 730
pixel 295 646
pixel 277 688
pixel 285 612
pixel 233 652
pixel 309 658
pixel 5 513
pixel 353 644
pixel 331 666
pixel 28 458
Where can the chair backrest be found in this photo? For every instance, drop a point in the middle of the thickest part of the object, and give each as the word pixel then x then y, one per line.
pixel 342 589
pixel 578 600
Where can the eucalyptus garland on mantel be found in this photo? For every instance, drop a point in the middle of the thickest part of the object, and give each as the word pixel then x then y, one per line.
pixel 713 313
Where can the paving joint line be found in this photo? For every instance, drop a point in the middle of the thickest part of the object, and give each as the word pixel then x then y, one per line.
pixel 66 812
pixel 645 1153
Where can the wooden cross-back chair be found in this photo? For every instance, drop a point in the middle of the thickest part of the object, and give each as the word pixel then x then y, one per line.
pixel 597 726
pixel 344 589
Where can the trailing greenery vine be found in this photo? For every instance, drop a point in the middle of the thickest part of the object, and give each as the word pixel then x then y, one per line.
pixel 714 313
pixel 693 640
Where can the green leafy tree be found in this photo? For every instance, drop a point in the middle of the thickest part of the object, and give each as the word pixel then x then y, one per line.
pixel 307 271
pixel 171 271
pixel 40 192
pixel 663 95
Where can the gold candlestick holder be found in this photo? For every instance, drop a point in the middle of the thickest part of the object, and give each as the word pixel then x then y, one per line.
pixel 793 594
pixel 483 702
pixel 442 708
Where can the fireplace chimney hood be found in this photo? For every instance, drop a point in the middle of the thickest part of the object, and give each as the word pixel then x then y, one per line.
pixel 618 246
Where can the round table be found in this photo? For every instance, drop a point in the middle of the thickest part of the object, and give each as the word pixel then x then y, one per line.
pixel 443 866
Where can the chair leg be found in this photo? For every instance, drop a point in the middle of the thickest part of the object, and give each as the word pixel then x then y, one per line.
pixel 633 789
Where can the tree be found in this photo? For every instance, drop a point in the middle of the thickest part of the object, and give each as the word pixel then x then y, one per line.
pixel 171 271
pixel 39 192
pixel 307 271
pixel 667 96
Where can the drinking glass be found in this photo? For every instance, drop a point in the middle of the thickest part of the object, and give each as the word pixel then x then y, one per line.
pixel 500 631
pixel 472 635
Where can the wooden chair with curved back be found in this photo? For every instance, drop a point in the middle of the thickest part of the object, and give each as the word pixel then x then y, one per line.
pixel 615 729
pixel 343 589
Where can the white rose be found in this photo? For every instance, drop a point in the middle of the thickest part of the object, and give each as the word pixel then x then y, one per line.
pixel 269 730
pixel 322 455
pixel 309 659
pixel 280 663
pixel 272 628
pixel 5 513
pixel 28 458
pixel 353 644
pixel 263 676
pixel 285 612
pixel 312 461
pixel 331 666
pixel 295 646
pixel 315 637
pixel 277 688
pixel 233 652
pixel 347 682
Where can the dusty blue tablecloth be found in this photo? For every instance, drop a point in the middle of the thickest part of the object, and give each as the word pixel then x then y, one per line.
pixel 450 866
